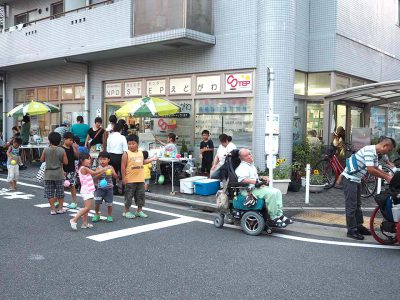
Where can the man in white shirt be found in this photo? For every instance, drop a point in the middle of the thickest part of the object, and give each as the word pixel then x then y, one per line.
pixel 247 173
pixel 116 146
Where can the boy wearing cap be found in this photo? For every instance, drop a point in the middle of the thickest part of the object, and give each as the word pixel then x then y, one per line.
pixel 133 177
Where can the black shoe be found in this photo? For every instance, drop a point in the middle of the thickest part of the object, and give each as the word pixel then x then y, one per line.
pixel 363 230
pixel 355 235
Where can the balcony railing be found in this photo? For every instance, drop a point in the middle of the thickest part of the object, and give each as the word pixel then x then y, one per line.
pixel 22 25
pixel 163 15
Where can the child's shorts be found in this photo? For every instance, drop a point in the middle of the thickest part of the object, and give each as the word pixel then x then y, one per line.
pixel 72 178
pixel 104 194
pixel 87 196
pixel 13 173
pixel 147 181
pixel 54 189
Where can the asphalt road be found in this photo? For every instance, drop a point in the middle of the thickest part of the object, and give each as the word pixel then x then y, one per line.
pixel 176 254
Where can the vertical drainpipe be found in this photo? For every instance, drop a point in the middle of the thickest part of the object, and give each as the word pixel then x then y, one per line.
pixel 4 109
pixel 87 93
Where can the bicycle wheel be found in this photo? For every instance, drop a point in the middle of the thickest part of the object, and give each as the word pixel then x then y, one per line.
pixel 382 230
pixel 326 169
pixel 368 185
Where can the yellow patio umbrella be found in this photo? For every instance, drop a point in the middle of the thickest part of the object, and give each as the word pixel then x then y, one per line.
pixel 148 107
pixel 33 108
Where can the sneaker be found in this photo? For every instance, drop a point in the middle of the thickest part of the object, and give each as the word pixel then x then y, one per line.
pixel 53 212
pixel 95 218
pixel 72 205
pixel 140 214
pixel 88 225
pixel 73 225
pixel 60 211
pixel 109 219
pixel 147 191
pixel 286 220
pixel 128 215
pixel 363 230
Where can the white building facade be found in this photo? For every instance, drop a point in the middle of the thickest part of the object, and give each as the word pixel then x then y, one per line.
pixel 210 57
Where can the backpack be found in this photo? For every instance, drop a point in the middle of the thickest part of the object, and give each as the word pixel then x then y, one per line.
pixel 352 166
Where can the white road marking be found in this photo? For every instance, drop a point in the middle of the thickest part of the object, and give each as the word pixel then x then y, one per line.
pixel 139 229
pixel 182 219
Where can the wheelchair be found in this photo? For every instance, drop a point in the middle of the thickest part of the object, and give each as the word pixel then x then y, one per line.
pixel 252 217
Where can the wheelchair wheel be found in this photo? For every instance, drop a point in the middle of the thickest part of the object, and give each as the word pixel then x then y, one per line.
pixel 252 223
pixel 382 233
pixel 219 221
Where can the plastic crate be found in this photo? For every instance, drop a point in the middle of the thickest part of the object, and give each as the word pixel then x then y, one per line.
pixel 206 187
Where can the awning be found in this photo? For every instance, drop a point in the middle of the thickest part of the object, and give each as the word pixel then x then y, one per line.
pixel 369 94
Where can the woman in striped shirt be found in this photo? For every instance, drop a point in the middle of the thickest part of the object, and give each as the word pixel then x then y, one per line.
pixel 87 190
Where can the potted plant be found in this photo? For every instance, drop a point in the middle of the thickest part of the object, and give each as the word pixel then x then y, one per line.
pixel 281 175
pixel 304 153
pixel 317 182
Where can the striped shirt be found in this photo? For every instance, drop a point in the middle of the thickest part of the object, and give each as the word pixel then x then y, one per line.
pixel 87 184
pixel 366 157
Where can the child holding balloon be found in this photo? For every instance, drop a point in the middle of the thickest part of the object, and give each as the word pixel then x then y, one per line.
pixel 105 187
pixel 87 189
pixel 13 162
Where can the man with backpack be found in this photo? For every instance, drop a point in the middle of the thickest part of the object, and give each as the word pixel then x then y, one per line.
pixel 363 161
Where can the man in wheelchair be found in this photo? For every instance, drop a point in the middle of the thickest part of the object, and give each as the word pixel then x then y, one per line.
pixel 247 174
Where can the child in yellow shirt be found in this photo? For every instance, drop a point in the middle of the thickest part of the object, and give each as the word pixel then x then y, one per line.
pixel 147 172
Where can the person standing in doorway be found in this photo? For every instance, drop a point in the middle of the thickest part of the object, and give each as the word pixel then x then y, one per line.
pixel 80 129
pixel 206 152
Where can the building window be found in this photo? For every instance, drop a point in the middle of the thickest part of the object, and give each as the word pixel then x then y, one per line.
pixel 67 93
pixel 319 84
pixel 21 19
pixel 20 96
pixel 42 94
pixel 342 82
pixel 56 9
pixel 53 93
pixel 315 117
pixel 299 83
pixel 30 94
pixel 79 91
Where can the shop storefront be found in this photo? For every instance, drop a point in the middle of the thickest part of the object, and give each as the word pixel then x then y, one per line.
pixel 219 102
pixel 69 98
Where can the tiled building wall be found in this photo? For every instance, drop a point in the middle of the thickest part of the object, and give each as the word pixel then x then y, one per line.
pixel 368 42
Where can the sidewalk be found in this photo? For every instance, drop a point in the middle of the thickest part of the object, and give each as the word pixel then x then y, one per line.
pixel 316 211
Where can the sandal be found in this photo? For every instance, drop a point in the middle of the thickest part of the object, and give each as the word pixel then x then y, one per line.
pixel 287 220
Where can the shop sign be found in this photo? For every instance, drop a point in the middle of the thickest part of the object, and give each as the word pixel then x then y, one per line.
pixel 239 82
pixel 208 84
pixel 180 86
pixel 113 90
pixel 156 87
pixel 185 110
pixel 133 89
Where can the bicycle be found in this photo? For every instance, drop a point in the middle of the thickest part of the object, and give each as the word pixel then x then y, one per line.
pixel 331 168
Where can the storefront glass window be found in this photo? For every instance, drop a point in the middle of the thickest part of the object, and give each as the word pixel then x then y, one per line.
pixel 315 116
pixel 67 93
pixel 230 116
pixel 377 121
pixel 393 129
pixel 342 82
pixel 20 96
pixel 299 83
pixel 299 121
pixel 79 91
pixel 319 84
pixel 42 94
pixel 53 93
pixel 30 94
pixel 341 116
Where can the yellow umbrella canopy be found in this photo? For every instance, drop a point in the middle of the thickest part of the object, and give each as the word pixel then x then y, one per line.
pixel 148 107
pixel 33 108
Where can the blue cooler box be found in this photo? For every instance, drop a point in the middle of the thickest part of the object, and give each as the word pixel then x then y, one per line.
pixel 206 187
